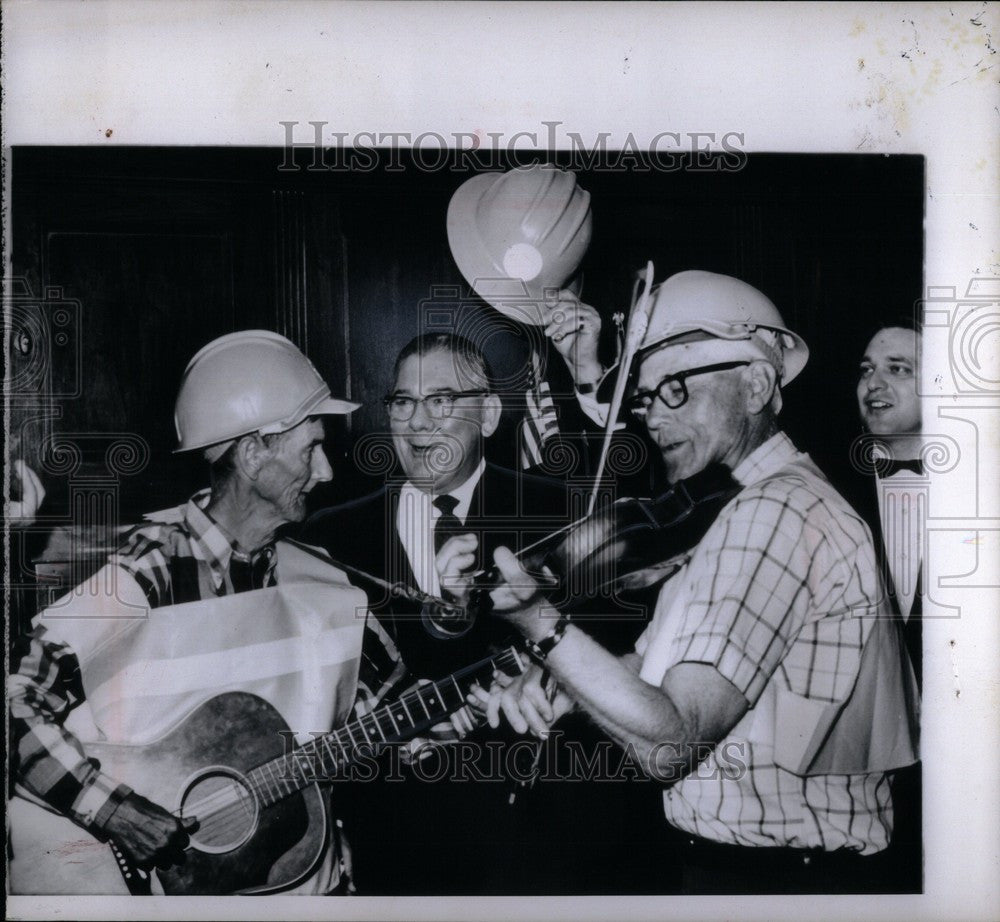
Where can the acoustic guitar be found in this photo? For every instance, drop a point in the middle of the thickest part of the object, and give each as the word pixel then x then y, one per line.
pixel 263 816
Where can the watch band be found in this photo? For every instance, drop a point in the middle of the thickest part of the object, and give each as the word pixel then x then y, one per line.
pixel 539 650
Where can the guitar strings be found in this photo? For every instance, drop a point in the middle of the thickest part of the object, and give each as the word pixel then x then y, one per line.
pixel 226 808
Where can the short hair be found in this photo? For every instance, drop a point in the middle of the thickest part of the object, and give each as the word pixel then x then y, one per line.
pixel 902 320
pixel 223 468
pixel 470 362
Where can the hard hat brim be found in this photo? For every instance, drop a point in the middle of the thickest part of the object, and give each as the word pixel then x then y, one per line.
pixel 795 352
pixel 334 407
pixel 327 406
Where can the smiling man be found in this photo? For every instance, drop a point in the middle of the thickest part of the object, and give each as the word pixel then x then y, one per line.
pixel 441 409
pixel 887 390
pixel 769 695
pixel 890 495
pixel 889 405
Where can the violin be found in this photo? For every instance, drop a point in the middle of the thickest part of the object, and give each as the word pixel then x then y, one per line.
pixel 623 546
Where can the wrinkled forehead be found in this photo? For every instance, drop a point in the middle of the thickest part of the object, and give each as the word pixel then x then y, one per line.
pixel 311 429
pixel 676 357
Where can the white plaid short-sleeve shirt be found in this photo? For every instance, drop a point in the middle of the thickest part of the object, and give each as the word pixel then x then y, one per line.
pixel 779 597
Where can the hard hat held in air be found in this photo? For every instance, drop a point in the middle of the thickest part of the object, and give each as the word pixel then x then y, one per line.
pixel 723 307
pixel 251 381
pixel 520 235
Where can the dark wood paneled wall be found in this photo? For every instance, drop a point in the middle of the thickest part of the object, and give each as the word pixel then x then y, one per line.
pixel 153 252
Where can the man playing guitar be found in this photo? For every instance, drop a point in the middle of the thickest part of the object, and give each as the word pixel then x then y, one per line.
pixel 253 404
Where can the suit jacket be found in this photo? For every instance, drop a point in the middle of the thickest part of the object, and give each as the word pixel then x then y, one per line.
pixel 575 452
pixel 507 509
pixel 861 491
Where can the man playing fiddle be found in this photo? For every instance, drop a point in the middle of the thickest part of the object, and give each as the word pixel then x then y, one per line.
pixel 770 695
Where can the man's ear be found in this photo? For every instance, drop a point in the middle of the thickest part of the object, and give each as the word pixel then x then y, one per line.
pixel 762 380
pixel 492 410
pixel 249 454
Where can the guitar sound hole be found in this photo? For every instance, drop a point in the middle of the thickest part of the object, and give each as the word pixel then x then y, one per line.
pixel 226 809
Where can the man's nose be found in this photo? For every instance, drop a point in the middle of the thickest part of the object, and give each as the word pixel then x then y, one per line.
pixel 421 419
pixel 321 470
pixel 876 380
pixel 656 414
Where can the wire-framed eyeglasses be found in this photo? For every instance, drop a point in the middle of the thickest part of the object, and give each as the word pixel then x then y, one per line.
pixel 437 406
pixel 672 390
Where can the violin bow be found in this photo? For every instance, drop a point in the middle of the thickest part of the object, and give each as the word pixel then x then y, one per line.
pixel 638 320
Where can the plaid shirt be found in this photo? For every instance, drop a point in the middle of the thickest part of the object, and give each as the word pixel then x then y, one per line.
pixel 183 555
pixel 775 598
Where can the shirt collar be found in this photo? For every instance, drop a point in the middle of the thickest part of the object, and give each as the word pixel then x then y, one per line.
pixel 766 458
pixel 210 542
pixel 463 492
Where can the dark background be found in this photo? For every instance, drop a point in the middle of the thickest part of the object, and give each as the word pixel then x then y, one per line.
pixel 164 249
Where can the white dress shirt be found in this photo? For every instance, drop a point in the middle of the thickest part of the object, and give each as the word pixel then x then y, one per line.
pixel 902 510
pixel 415 521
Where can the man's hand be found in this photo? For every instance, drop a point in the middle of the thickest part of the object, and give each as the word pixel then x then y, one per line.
pixel 455 562
pixel 149 835
pixel 518 598
pixel 525 701
pixel 32 495
pixel 575 331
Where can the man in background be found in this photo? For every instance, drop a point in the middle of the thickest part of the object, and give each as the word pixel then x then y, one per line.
pixel 890 495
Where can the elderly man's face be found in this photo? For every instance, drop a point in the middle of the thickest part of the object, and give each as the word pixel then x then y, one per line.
pixel 294 465
pixel 887 387
pixel 713 425
pixel 438 451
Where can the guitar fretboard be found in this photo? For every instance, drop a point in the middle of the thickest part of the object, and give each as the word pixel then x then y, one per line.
pixel 327 755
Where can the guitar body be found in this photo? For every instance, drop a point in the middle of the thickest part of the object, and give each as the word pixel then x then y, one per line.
pixel 263 823
pixel 203 768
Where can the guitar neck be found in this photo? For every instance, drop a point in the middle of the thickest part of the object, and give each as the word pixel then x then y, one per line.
pixel 424 706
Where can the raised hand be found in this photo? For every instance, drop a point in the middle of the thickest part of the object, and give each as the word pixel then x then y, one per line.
pixel 575 330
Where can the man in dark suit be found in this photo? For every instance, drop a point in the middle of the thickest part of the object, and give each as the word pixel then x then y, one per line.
pixel 567 407
pixel 888 493
pixel 441 410
pixel 445 837
pixel 889 406
pixel 453 836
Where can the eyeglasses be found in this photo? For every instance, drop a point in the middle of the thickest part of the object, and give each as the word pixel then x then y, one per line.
pixel 672 390
pixel 437 406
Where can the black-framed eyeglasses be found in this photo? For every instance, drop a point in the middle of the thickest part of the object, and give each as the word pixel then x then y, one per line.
pixel 437 406
pixel 672 390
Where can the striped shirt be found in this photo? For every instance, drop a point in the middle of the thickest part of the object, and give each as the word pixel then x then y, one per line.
pixel 182 556
pixel 779 597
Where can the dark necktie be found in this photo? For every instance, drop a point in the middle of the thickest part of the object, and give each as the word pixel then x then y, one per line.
pixel 447 523
pixel 886 467
pixel 246 574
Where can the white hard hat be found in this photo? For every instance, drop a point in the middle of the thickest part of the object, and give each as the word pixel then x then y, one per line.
pixel 250 381
pixel 723 307
pixel 513 235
